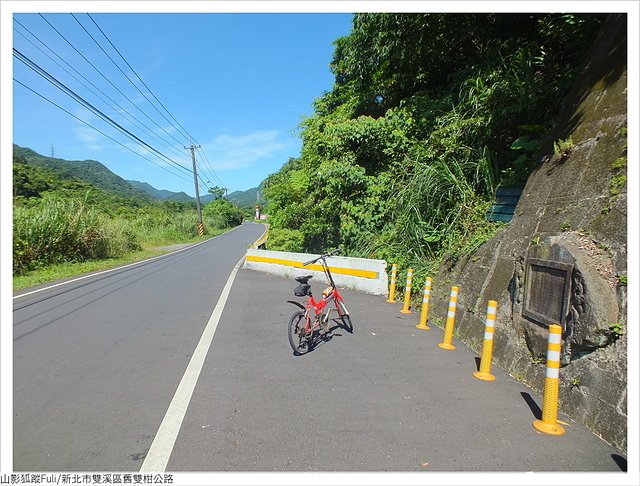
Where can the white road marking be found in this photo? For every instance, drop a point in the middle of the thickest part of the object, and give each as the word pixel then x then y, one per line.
pixel 162 446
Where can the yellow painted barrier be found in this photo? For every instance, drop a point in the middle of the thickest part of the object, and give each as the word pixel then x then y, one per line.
pixel 451 319
pixel 484 373
pixel 392 286
pixel 262 239
pixel 292 263
pixel 424 314
pixel 549 422
pixel 407 293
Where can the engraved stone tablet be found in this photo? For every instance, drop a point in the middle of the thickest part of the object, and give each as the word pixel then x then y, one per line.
pixel 547 288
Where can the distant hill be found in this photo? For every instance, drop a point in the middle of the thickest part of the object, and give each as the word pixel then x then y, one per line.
pixel 91 171
pixel 239 198
pixel 162 194
pixel 101 177
pixel 247 198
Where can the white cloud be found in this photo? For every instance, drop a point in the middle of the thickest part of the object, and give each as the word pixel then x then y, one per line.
pixel 229 152
pixel 89 138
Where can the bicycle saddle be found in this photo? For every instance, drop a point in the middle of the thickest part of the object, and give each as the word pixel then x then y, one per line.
pixel 304 280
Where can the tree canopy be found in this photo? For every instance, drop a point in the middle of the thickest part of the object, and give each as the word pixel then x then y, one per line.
pixel 429 113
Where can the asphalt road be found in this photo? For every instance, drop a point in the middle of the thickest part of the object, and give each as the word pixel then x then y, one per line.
pixel 97 363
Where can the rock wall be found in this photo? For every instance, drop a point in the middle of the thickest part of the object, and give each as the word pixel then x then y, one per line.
pixel 573 212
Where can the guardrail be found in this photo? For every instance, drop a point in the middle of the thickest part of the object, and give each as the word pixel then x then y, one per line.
pixel 262 239
pixel 362 274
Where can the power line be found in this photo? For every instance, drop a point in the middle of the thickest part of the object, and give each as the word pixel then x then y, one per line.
pixel 184 131
pixel 107 79
pixel 98 130
pixel 112 103
pixel 205 163
pixel 123 73
pixel 209 164
pixel 140 79
pixel 29 63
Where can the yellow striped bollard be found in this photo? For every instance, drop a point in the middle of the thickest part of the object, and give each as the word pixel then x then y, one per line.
pixel 451 319
pixel 549 423
pixel 487 346
pixel 424 315
pixel 392 286
pixel 407 293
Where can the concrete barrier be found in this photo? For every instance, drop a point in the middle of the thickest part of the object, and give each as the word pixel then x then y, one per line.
pixel 360 274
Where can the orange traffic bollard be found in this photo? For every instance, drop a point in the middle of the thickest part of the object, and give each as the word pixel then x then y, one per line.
pixel 487 347
pixel 451 319
pixel 424 315
pixel 392 286
pixel 407 293
pixel 549 423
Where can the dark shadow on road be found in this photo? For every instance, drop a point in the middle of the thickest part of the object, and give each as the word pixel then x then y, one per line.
pixel 477 363
pixel 535 409
pixel 620 461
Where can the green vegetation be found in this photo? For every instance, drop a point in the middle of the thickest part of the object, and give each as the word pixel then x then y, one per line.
pixel 64 225
pixel 561 148
pixel 618 178
pixel 90 171
pixel 617 329
pixel 429 114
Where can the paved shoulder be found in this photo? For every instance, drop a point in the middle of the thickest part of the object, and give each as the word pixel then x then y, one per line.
pixel 385 398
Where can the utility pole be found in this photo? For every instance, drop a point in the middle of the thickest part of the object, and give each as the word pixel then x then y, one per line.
pixel 195 180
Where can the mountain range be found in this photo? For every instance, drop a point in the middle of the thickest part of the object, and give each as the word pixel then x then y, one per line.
pixel 100 176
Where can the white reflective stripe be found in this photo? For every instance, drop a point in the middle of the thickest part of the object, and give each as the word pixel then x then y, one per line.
pixel 425 300
pixel 454 293
pixel 451 314
pixel 491 310
pixel 555 338
pixel 427 291
pixel 553 355
pixel 553 372
pixel 490 322
pixel 488 335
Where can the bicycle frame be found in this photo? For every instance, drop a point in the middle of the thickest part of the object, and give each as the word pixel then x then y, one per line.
pixel 318 306
pixel 307 325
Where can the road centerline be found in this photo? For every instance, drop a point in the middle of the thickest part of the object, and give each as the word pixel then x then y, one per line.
pixel 162 446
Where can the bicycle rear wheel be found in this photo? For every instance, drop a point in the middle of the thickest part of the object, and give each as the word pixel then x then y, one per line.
pixel 301 341
pixel 345 318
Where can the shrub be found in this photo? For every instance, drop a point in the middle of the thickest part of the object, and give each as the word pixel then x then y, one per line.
pixel 285 240
pixel 64 230
pixel 221 213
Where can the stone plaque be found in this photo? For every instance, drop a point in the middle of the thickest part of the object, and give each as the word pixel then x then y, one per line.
pixel 547 290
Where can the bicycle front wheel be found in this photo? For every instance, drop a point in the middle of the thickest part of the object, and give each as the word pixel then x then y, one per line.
pixel 345 318
pixel 300 340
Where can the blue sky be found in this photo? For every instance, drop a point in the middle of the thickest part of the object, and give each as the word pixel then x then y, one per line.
pixel 238 83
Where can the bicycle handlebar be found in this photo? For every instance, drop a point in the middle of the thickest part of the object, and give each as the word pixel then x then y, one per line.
pixel 325 255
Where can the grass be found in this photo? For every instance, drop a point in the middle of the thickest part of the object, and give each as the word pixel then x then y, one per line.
pixel 61 271
pixel 56 237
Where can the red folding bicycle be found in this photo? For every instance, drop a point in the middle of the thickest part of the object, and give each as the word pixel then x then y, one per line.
pixel 307 324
